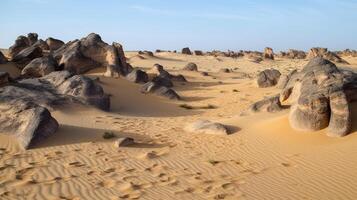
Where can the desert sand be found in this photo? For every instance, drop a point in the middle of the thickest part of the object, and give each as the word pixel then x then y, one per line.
pixel 262 158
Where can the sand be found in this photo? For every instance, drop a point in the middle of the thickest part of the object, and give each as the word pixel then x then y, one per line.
pixel 262 158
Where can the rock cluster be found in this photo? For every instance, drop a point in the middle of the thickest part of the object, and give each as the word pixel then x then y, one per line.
pixel 325 53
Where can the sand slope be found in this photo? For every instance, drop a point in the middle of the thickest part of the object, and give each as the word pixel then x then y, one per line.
pixel 263 158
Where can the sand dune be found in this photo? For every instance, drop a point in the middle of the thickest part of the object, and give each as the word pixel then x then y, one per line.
pixel 263 158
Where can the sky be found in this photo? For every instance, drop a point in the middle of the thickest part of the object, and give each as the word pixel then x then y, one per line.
pixel 198 24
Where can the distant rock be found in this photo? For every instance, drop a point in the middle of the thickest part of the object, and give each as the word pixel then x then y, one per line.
pixel 198 53
pixel 268 78
pixel 268 53
pixel 191 67
pixel 40 67
pixel 292 54
pixel 326 54
pixel 54 44
pixel 148 53
pixel 186 51
pixel 206 127
pixel 137 76
pixel 25 121
pixel 162 73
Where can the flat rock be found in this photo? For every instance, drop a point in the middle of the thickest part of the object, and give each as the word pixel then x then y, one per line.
pixel 206 127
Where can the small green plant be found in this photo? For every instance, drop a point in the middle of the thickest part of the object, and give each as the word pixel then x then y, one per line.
pixel 108 135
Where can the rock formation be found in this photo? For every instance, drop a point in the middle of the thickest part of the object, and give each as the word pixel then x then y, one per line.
pixel 268 53
pixel 325 53
pixel 186 51
pixel 268 78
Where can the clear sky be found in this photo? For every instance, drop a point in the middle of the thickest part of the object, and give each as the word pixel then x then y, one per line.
pixel 199 24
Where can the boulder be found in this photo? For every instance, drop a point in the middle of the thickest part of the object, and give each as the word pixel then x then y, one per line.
pixel 42 44
pixel 186 51
pixel 268 78
pixel 23 42
pixel 271 104
pixel 198 53
pixel 225 70
pixel 40 67
pixel 320 97
pixel 268 53
pixel 163 81
pixel 137 76
pixel 191 67
pixel 124 142
pixel 284 79
pixel 159 69
pixel 3 59
pixel 25 121
pixel 54 44
pixel 90 52
pixel 32 38
pixel 160 90
pixel 206 127
pixel 27 55
pixel 148 53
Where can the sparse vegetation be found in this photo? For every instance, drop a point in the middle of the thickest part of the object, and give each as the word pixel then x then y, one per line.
pixel 108 135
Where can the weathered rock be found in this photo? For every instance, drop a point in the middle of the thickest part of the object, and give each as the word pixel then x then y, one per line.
pixel 292 54
pixel 137 76
pixel 32 38
pixel 186 51
pixel 191 67
pixel 204 74
pixel 3 59
pixel 159 69
pixel 284 79
pixel 163 81
pixel 156 88
pixel 40 67
pixel 54 44
pixel 21 43
pixel 325 53
pixel 80 56
pixel 268 78
pixel 4 78
pixel 271 104
pixel 320 95
pixel 206 127
pixel 268 53
pixel 124 142
pixel 25 121
pixel 225 70
pixel 42 44
pixel 198 53
pixel 148 53
pixel 26 55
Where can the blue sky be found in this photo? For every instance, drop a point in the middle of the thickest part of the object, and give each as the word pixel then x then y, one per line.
pixel 199 24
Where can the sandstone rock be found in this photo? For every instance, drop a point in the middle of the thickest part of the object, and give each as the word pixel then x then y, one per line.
pixel 40 67
pixel 21 43
pixel 191 67
pixel 32 38
pixel 225 70
pixel 268 78
pixel 26 121
pixel 163 81
pixel 271 105
pixel 284 79
pixel 137 76
pixel 159 69
pixel 124 142
pixel 268 53
pixel 54 44
pixel 26 55
pixel 204 74
pixel 156 88
pixel 325 53
pixel 186 51
pixel 206 127
pixel 198 53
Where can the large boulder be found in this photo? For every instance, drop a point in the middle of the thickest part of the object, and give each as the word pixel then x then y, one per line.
pixel 40 67
pixel 320 96
pixel 191 67
pixel 271 104
pixel 326 54
pixel 80 56
pixel 3 59
pixel 186 51
pixel 54 44
pixel 23 42
pixel 160 90
pixel 137 76
pixel 268 78
pixel 268 53
pixel 25 121
pixel 27 55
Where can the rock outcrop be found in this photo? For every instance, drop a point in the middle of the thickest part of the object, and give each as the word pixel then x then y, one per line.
pixel 326 54
pixel 137 76
pixel 160 90
pixel 27 55
pixel 271 104
pixel 268 53
pixel 198 53
pixel 4 78
pixel 320 97
pixel 80 56
pixel 292 54
pixel 268 78
pixel 3 59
